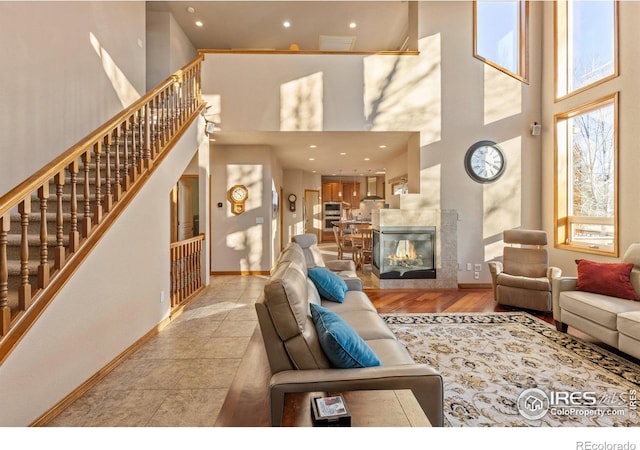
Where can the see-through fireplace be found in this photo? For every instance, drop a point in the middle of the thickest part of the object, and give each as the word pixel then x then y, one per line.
pixel 404 252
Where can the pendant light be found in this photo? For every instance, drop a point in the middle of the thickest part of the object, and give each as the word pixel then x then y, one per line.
pixel 354 184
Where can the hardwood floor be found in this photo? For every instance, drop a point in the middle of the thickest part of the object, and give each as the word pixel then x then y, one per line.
pixel 247 402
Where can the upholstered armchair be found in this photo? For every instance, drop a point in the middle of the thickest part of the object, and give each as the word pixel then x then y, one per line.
pixel 343 267
pixel 523 278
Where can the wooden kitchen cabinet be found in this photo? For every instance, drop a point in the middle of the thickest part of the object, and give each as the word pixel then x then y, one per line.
pixel 330 192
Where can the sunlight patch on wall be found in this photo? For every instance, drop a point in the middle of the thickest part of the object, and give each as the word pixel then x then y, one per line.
pixel 248 244
pixel 301 107
pixel 493 250
pixel 251 176
pixel 213 111
pixel 502 200
pixel 125 91
pixel 403 93
pixel 429 196
pixel 502 95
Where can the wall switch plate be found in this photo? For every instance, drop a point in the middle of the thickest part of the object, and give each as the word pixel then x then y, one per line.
pixel 476 275
pixel 478 267
pixel 468 266
pixel 161 296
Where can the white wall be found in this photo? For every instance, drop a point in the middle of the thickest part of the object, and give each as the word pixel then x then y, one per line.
pixel 50 100
pixel 168 48
pixel 628 151
pixel 111 302
pixel 244 242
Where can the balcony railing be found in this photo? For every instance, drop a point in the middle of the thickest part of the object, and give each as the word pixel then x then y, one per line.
pixel 51 221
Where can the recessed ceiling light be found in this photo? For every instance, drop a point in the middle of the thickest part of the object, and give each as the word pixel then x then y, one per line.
pixel 191 9
pixel 353 25
pixel 312 146
pixel 342 153
pixel 199 23
pixel 286 24
pixel 367 159
pixel 382 146
pixel 312 159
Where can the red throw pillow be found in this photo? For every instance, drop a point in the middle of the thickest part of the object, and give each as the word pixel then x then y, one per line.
pixel 611 279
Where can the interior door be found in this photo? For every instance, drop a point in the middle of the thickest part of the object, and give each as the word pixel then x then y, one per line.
pixel 185 209
pixel 312 213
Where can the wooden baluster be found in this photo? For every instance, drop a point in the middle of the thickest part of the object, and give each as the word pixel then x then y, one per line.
pixel 43 268
pixel 147 130
pixel 134 149
pixel 86 220
pixel 97 210
pixel 107 200
pixel 60 250
pixel 24 291
pixel 127 165
pixel 74 234
pixel 162 119
pixel 5 310
pixel 117 182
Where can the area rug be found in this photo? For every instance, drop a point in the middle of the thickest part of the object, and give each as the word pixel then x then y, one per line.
pixel 513 369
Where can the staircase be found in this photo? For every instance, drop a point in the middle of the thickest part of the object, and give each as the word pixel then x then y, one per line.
pixel 51 221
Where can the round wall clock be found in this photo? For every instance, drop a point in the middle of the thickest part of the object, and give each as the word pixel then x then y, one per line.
pixel 238 194
pixel 485 162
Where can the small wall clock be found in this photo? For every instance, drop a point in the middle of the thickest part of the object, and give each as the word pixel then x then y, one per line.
pixel 238 195
pixel 485 162
pixel 292 202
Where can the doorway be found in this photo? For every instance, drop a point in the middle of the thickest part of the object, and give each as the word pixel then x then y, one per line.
pixel 312 213
pixel 185 216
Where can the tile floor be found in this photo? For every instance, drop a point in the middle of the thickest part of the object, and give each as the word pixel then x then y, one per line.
pixel 180 377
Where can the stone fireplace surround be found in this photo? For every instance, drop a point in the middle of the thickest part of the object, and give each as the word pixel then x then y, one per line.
pixel 446 248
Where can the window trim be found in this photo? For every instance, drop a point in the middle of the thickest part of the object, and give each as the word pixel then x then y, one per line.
pixel 563 224
pixel 556 48
pixel 523 39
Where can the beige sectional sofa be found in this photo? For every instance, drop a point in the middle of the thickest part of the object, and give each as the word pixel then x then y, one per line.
pixel 612 320
pixel 297 360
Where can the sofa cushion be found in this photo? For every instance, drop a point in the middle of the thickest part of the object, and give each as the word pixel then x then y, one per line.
pixel 629 324
pixel 536 284
pixel 598 308
pixel 329 285
pixel 341 344
pixel 612 279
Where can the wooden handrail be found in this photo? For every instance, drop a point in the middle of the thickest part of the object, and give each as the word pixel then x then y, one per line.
pixel 47 172
pixel 50 222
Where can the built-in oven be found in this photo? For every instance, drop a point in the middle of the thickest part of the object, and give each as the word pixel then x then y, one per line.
pixel 332 212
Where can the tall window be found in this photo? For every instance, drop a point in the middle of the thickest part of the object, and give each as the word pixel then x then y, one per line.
pixel 586 44
pixel 501 35
pixel 586 184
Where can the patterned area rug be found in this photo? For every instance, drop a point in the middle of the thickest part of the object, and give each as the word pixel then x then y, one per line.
pixel 506 369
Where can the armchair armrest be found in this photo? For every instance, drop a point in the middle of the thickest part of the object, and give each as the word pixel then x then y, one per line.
pixel 559 284
pixel 340 265
pixel 495 267
pixel 425 383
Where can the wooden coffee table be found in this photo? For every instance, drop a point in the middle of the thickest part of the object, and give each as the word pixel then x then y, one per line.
pixel 368 409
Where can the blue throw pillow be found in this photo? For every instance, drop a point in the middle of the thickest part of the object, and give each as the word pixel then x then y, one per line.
pixel 342 345
pixel 329 285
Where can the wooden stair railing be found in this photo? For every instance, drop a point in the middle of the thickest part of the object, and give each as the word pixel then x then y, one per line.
pixel 186 269
pixel 50 222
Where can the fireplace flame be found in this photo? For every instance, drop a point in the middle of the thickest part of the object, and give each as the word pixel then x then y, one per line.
pixel 404 251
